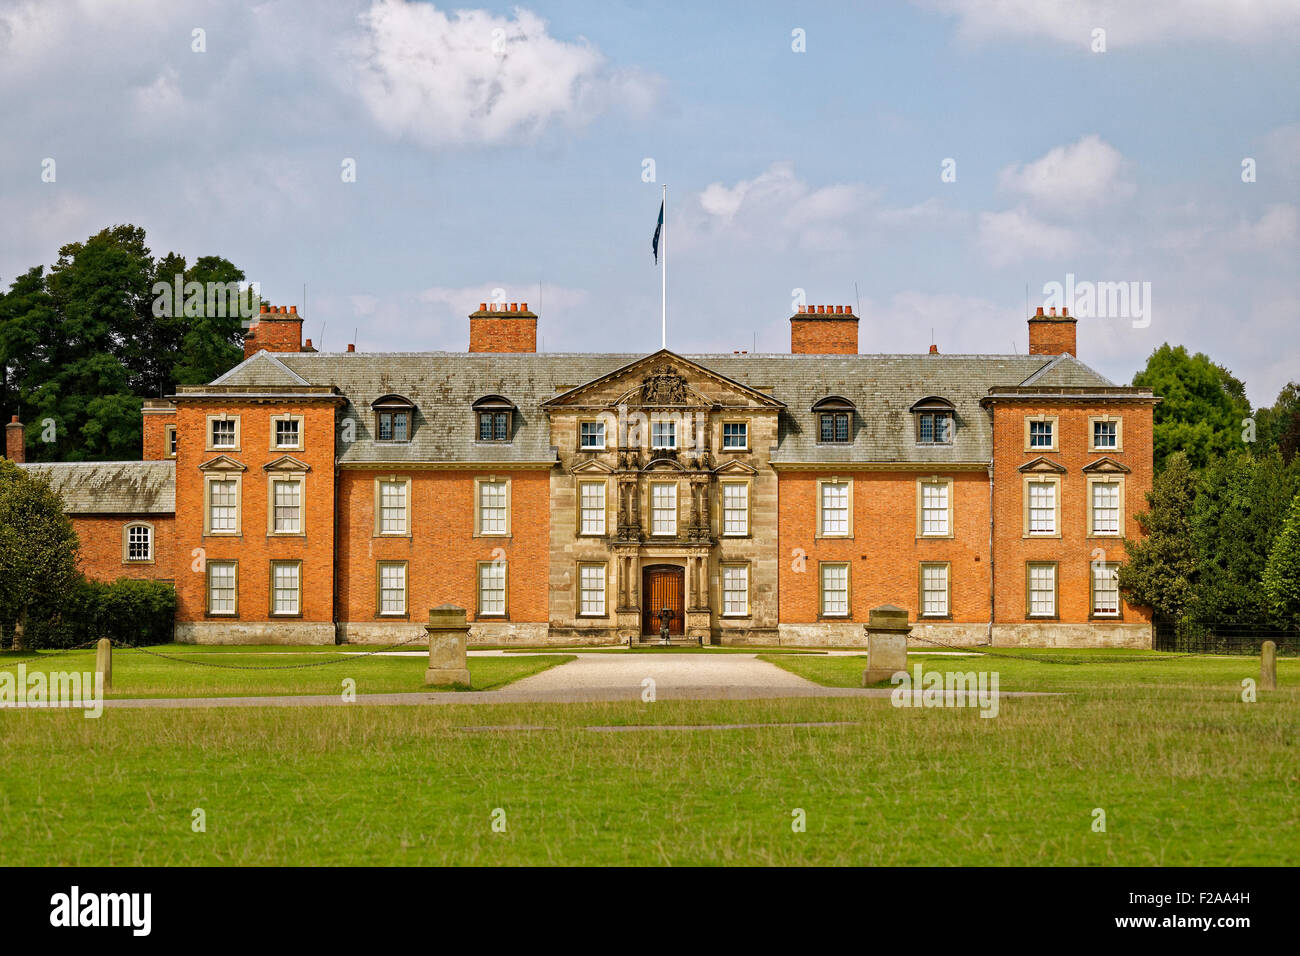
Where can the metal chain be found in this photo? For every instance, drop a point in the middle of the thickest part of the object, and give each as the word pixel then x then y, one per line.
pixel 336 659
pixel 37 656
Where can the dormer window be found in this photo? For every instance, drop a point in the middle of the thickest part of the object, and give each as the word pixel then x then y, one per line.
pixel 934 421
pixel 834 420
pixel 495 418
pixel 394 419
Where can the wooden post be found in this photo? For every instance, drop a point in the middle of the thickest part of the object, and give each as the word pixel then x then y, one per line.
pixel 1268 666
pixel 104 662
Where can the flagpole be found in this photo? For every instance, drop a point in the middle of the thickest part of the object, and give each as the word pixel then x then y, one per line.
pixel 663 247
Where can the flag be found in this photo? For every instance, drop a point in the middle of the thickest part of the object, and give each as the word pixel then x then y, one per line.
pixel 654 243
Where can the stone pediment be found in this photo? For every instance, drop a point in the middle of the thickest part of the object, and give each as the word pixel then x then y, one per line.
pixel 1043 465
pixel 223 463
pixel 735 467
pixel 1106 466
pixel 286 463
pixel 591 467
pixel 663 380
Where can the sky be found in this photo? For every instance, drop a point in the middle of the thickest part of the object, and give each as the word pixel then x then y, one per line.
pixel 936 164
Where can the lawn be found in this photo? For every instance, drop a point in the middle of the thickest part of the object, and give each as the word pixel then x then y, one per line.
pixel 190 670
pixel 1186 773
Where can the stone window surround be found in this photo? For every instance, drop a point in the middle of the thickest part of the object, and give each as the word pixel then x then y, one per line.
pixel 1056 591
pixel 271 611
pixel 1093 615
pixel 834 480
pixel 1055 446
pixel 238 479
pixel 578 531
pixel 301 478
pixel 722 589
pixel 126 543
pixel 207 432
pixel 920 592
pixel 920 506
pixel 1119 433
pixel 722 508
pixel 1105 479
pixel 479 613
pixel 379 482
pixel 298 446
pixel 170 442
pixel 379 590
pixel 604 593
pixel 722 435
pixel 1036 478
pixel 822 613
pixel 479 482
pixel 207 588
pixel 677 507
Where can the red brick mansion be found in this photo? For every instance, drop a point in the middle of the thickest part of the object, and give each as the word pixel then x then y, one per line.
pixel 566 498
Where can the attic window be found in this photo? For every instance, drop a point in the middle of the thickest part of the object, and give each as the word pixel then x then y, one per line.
pixel 934 421
pixel 495 416
pixel 834 420
pixel 394 418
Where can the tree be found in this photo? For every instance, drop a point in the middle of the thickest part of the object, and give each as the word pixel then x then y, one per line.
pixel 1160 572
pixel 1202 408
pixel 1281 579
pixel 1279 427
pixel 38 548
pixel 1240 506
pixel 211 343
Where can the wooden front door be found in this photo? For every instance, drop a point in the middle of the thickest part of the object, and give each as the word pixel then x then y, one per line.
pixel 663 585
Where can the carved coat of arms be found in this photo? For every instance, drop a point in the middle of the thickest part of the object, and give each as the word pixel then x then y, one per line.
pixel 664 386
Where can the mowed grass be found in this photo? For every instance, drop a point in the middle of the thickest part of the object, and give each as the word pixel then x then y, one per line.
pixel 1186 773
pixel 1107 672
pixel 211 671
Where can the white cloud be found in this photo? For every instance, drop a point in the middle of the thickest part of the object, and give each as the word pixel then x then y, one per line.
pixel 475 78
pixel 1072 177
pixel 1279 225
pixel 1127 23
pixel 1015 235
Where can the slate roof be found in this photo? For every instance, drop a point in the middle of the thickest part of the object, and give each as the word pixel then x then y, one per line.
pixel 111 487
pixel 443 386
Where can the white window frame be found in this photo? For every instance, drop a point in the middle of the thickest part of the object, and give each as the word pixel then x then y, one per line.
pixel 273 504
pixel 210 438
pixel 1115 420
pixel 598 427
pixel 492 567
pixel 846 506
pixel 657 429
pixel 381 508
pixel 744 434
pixel 148 529
pixel 735 511
pixel 1054 425
pixel 276 421
pixel 591 510
pixel 823 591
pixel 1031 590
pixel 927 589
pixel 209 568
pixel 1117 481
pixel 669 510
pixel 384 584
pixel 1031 482
pixel 276 589
pixel 209 507
pixel 1096 569
pixel 499 525
pixel 735 590
pixel 593 579
pixel 929 510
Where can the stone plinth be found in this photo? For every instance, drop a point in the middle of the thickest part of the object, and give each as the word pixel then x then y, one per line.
pixel 448 639
pixel 887 632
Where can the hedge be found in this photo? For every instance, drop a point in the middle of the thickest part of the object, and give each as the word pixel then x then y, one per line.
pixel 127 610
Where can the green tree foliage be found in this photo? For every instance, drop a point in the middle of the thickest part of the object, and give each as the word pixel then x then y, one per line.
pixel 1279 427
pixel 82 345
pixel 38 548
pixel 1282 571
pixel 1240 507
pixel 1202 405
pixel 1161 569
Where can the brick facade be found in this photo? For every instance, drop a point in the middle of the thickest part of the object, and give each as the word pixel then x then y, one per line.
pixel 536 490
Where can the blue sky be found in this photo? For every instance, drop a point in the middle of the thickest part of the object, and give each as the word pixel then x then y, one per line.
pixel 502 147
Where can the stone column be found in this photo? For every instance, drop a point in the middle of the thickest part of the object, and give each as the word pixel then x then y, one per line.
pixel 448 639
pixel 887 632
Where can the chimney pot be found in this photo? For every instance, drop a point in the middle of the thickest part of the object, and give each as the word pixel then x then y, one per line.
pixel 1053 310
pixel 308 343
pixel 13 419
pixel 265 308
pixel 482 306
pixel 523 306
pixel 934 349
pixel 1065 310
pixel 514 306
pixel 293 310
pixel 1040 310
pixel 351 347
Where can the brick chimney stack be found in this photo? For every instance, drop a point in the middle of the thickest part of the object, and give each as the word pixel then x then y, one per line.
pixel 824 330
pixel 15 441
pixel 1052 334
pixel 496 327
pixel 276 329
